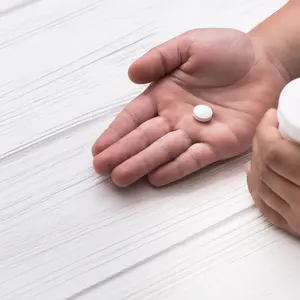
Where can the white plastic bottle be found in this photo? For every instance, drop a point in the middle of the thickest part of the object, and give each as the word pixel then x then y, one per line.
pixel 288 112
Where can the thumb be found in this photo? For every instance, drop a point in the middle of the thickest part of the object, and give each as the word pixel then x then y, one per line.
pixel 267 130
pixel 269 119
pixel 161 60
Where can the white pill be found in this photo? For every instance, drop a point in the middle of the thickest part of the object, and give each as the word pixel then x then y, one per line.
pixel 203 113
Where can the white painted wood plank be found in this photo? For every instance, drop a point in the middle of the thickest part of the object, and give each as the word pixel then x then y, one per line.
pixel 229 261
pixel 64 232
pixel 8 7
pixel 55 76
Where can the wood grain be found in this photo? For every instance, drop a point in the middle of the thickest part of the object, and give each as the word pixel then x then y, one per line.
pixel 66 233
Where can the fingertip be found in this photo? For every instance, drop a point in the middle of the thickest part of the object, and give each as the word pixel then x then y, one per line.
pixel 96 166
pixel 104 141
pixel 99 146
pixel 271 111
pixel 101 165
pixel 164 175
pixel 270 118
pixel 267 131
pixel 94 150
pixel 156 180
pixel 121 176
pixel 132 74
pixel 139 73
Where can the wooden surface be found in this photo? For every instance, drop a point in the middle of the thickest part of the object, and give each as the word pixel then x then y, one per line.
pixel 65 233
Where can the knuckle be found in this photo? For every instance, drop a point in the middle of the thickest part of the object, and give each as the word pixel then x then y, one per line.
pixel 194 158
pixel 165 148
pixel 271 155
pixel 180 169
pixel 162 58
pixel 132 115
pixel 187 138
pixel 143 137
pixel 168 146
pixel 262 190
pixel 146 163
pixel 263 172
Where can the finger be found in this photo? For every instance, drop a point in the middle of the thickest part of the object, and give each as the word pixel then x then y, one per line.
pixel 270 205
pixel 196 157
pixel 273 200
pixel 131 144
pixel 270 214
pixel 161 60
pixel 269 119
pixel 157 154
pixel 280 155
pixel 266 192
pixel 285 189
pixel 134 114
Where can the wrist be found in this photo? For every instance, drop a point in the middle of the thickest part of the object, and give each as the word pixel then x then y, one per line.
pixel 279 37
pixel 272 53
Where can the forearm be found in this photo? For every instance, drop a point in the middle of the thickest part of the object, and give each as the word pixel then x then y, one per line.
pixel 280 37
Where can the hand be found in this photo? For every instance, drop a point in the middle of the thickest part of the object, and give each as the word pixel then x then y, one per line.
pixel 274 176
pixel 156 133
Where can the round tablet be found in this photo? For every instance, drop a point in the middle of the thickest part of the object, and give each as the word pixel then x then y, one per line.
pixel 203 113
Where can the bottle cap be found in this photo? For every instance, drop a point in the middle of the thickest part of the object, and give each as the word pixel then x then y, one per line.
pixel 289 111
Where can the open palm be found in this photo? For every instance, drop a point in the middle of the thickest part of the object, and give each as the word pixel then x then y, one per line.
pixel 156 134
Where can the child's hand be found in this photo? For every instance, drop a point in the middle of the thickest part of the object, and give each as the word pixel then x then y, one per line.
pixel 274 176
pixel 156 133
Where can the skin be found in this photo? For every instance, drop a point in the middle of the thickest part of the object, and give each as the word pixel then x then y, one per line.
pixel 274 172
pixel 274 175
pixel 240 76
pixel 156 135
pixel 279 36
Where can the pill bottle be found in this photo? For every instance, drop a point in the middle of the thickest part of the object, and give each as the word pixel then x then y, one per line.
pixel 288 112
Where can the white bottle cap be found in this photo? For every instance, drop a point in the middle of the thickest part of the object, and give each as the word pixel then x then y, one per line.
pixel 289 111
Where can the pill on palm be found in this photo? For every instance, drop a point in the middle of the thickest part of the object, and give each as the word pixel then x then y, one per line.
pixel 203 113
